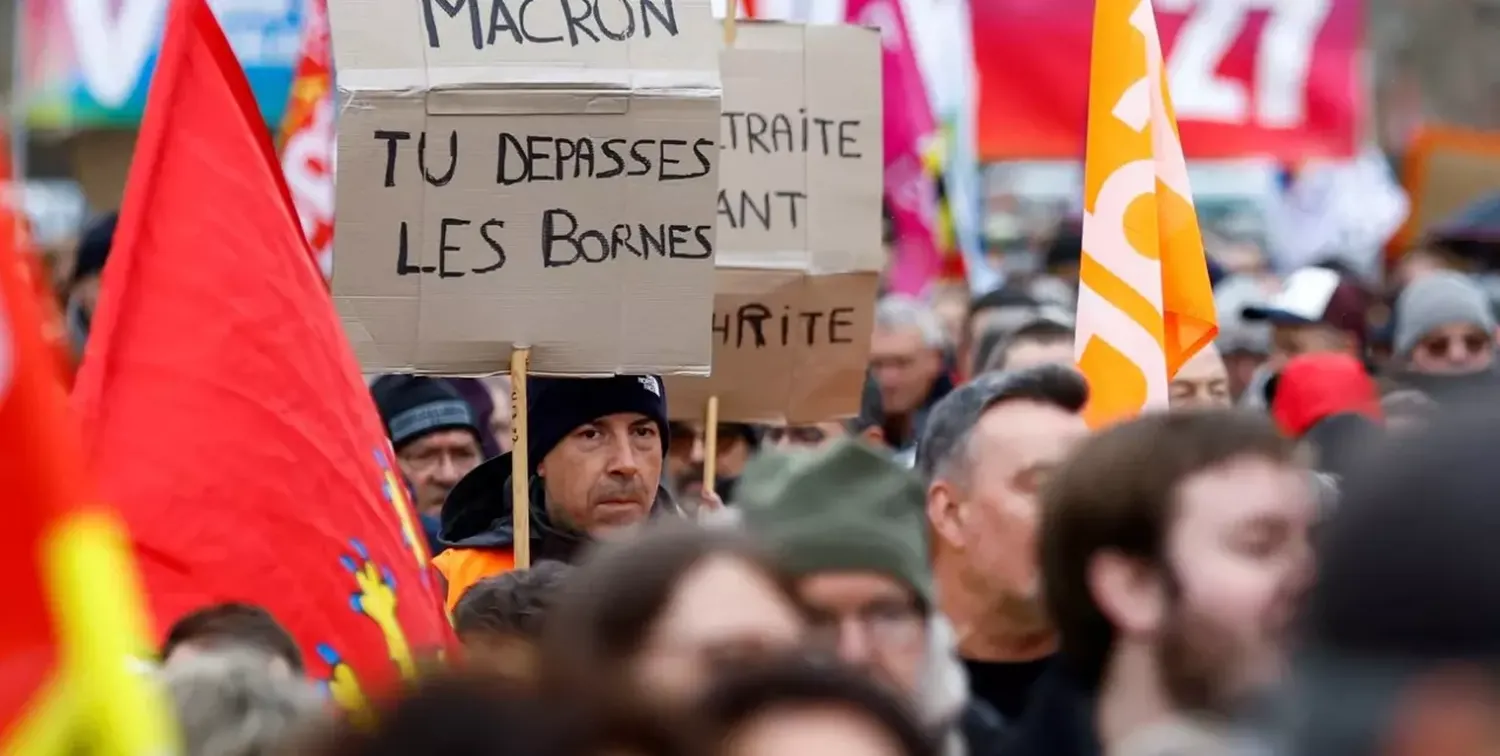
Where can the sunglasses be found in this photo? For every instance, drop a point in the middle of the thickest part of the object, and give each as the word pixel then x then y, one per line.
pixel 1467 345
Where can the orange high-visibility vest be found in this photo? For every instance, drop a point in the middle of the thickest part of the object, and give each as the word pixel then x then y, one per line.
pixel 462 568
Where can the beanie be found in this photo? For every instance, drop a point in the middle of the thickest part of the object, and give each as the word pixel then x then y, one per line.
pixel 556 407
pixel 1437 299
pixel 843 507
pixel 413 406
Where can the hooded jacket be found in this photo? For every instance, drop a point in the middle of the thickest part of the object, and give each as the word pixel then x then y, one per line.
pixel 477 531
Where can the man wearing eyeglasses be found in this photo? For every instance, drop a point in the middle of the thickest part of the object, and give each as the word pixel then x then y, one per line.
pixel 1444 326
pixel 846 521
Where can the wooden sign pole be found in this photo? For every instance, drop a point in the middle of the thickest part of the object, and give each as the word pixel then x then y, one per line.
pixel 520 478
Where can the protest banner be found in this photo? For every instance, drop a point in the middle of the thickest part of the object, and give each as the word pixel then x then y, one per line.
pixel 799 226
pixel 526 174
pixel 1249 78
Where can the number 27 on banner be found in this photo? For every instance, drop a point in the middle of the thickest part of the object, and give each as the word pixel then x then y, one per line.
pixel 1283 52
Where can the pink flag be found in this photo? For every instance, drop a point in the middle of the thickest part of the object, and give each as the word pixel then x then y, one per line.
pixel 910 191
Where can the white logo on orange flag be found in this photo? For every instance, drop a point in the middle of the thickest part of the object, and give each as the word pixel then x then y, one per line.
pixel 1144 303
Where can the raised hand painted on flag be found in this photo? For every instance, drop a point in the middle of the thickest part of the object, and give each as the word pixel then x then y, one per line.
pixel 376 599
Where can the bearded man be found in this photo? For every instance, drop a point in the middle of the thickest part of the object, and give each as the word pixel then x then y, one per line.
pixel 1173 549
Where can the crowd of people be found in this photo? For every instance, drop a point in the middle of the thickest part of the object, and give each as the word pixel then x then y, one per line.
pixel 1294 559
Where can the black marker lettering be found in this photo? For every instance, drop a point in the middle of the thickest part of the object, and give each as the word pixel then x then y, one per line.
pixel 567 149
pixel 550 237
pixel 484 233
pixel 701 234
pixel 811 319
pixel 839 317
pixel 781 133
pixel 444 248
pixel 403 254
pixel 508 141
pixel 526 5
pixel 792 199
pixel 663 153
pixel 668 18
pixel 752 315
pixel 611 150
pixel 721 328
pixel 700 149
pixel 643 162
pixel 620 36
pixel 502 21
pixel 734 128
pixel 656 243
pixel 452 159
pixel 576 22
pixel 391 138
pixel 452 10
pixel 847 141
pixel 824 145
pixel 755 131
pixel 536 152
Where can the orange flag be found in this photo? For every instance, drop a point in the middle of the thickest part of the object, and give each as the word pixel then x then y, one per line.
pixel 1145 305
pixel 73 616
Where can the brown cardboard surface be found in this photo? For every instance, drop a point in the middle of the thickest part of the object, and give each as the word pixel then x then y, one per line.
pixel 532 173
pixel 799 226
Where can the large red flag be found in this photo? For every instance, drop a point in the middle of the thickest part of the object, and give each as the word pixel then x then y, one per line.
pixel 72 614
pixel 222 406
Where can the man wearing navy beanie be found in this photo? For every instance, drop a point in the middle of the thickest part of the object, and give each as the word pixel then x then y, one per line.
pixel 596 447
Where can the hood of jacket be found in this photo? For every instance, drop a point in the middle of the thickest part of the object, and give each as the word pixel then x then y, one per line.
pixel 478 514
pixel 1314 386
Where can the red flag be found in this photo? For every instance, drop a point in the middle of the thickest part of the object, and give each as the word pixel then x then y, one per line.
pixel 222 406
pixel 72 614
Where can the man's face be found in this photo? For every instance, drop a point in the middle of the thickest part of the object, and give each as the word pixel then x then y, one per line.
pixel 1034 352
pixel 785 437
pixel 1013 449
pixel 686 455
pixel 1454 349
pixel 434 463
pixel 904 367
pixel 1240 560
pixel 604 475
pixel 1202 382
pixel 1288 341
pixel 873 622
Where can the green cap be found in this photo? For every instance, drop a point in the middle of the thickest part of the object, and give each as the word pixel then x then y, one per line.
pixel 841 508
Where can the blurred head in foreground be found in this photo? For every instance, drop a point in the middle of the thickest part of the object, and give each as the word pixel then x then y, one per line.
pixel 795 707
pixel 499 620
pixel 1174 549
pixel 475 715
pixel 229 626
pixel 231 702
pixel 1402 648
pixel 666 610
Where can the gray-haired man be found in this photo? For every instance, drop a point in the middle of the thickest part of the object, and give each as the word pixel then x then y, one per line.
pixel 985 452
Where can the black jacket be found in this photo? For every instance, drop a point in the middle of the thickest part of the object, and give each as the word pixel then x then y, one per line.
pixel 1059 720
pixel 477 515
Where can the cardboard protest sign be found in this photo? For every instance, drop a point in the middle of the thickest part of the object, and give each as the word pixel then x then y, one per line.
pixel 535 173
pixel 799 226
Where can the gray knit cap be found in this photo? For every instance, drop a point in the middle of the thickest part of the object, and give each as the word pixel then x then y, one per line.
pixel 1435 300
